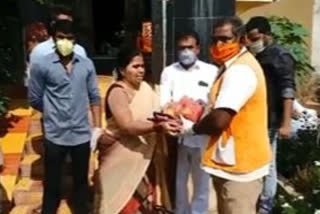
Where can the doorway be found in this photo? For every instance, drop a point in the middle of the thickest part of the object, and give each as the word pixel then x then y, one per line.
pixel 118 23
pixel 108 26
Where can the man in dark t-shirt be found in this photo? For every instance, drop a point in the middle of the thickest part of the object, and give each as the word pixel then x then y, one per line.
pixel 278 66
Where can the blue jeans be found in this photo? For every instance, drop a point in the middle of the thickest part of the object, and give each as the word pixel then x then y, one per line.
pixel 189 160
pixel 270 181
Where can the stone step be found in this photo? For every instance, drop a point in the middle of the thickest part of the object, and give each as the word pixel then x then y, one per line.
pixel 29 191
pixel 35 125
pixel 34 145
pixel 24 209
pixel 29 209
pixel 32 166
pixel 34 142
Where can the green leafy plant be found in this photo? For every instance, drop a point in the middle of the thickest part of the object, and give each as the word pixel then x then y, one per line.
pixel 287 204
pixel 307 183
pixel 292 35
pixel 298 153
pixel 6 63
pixel 10 45
pixel 298 161
pixel 4 102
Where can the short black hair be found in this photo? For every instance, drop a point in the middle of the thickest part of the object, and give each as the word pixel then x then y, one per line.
pixel 126 53
pixel 58 10
pixel 64 26
pixel 187 34
pixel 259 22
pixel 236 22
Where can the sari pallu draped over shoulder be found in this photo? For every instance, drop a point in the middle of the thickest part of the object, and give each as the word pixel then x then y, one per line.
pixel 124 165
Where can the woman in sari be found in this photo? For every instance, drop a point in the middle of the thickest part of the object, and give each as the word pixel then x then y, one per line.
pixel 131 177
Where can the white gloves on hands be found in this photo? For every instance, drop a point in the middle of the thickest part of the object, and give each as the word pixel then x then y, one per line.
pixel 187 126
pixel 95 135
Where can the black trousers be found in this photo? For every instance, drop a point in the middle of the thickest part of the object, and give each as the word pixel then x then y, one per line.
pixel 54 158
pixel 172 167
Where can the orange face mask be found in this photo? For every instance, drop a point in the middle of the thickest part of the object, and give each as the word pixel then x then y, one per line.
pixel 223 52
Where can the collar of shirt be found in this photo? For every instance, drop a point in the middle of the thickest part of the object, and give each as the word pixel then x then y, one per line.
pixel 267 50
pixel 56 58
pixel 51 42
pixel 195 66
pixel 230 61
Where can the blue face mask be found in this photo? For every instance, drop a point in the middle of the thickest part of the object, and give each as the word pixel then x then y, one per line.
pixel 187 57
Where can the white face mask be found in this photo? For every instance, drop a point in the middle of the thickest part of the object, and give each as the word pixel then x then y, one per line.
pixel 256 47
pixel 187 57
pixel 65 46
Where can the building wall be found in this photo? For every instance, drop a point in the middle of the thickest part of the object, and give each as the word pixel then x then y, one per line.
pixel 315 59
pixel 299 11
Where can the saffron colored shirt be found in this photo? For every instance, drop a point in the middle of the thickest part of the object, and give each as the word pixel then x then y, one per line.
pixel 239 84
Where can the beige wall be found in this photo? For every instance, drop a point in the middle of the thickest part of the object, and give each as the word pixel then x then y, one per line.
pixel 297 10
pixel 315 58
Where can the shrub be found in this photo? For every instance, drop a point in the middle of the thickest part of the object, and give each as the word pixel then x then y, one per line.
pixel 299 162
pixel 292 36
pixel 6 64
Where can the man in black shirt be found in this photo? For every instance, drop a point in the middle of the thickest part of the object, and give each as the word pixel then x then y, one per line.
pixel 278 65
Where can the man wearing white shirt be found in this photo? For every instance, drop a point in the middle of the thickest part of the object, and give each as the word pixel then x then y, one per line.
pixel 238 154
pixel 59 12
pixel 192 78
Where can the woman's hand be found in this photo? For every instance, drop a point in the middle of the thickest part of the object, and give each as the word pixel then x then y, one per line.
pixel 107 139
pixel 171 127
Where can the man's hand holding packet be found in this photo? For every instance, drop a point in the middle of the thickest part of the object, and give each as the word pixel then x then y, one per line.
pixel 187 111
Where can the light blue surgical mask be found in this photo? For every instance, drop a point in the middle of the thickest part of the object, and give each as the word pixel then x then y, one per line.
pixel 187 57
